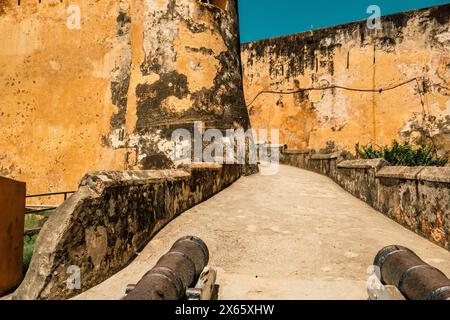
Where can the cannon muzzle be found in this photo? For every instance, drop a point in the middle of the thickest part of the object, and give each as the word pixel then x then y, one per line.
pixel 416 280
pixel 176 271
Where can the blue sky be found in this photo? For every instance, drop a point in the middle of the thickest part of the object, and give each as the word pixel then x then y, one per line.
pixel 260 19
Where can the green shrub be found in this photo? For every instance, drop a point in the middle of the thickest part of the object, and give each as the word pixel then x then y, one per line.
pixel 403 154
pixel 28 248
pixel 32 221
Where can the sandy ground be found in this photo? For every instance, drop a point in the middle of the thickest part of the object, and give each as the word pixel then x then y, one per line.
pixel 294 235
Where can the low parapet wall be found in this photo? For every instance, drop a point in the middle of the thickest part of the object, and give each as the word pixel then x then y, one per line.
pixel 416 197
pixel 109 219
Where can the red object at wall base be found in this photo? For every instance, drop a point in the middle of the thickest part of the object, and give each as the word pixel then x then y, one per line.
pixel 12 216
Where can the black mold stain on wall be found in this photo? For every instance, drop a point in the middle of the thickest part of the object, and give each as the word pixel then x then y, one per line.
pixel 150 97
pixel 155 158
pixel 440 13
pixel 122 74
pixel 119 92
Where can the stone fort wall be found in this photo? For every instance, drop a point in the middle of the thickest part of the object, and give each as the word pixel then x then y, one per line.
pixel 408 58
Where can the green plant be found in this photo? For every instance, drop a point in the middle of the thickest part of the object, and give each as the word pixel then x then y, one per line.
pixel 403 154
pixel 28 249
pixel 35 220
pixel 32 221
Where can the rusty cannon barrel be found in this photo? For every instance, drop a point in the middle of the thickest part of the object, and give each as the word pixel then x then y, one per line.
pixel 176 271
pixel 416 280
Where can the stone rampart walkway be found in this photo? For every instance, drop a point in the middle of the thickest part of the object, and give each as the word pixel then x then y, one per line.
pixel 295 235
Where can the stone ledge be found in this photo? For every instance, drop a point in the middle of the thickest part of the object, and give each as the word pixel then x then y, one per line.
pixel 327 156
pixel 205 165
pixel 406 173
pixel 435 174
pixel 271 146
pixel 99 181
pixel 363 164
pixel 297 151
pixel 431 174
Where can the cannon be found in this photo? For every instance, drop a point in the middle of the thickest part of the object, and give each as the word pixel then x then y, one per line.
pixel 415 279
pixel 174 273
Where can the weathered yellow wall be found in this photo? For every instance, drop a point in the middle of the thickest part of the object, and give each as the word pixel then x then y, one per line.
pixel 413 44
pixel 54 86
pixel 78 100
